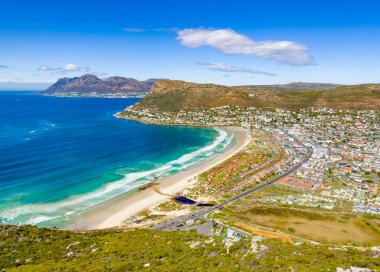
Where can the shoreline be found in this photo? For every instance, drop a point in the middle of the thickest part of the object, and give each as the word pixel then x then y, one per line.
pixel 118 116
pixel 114 212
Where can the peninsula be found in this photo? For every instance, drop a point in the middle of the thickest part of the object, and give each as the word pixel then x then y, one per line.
pixel 92 86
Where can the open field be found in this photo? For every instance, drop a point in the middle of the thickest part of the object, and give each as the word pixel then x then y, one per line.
pixel 273 191
pixel 264 233
pixel 323 227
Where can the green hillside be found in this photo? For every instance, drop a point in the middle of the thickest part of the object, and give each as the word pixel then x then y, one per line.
pixel 27 248
pixel 298 86
pixel 173 96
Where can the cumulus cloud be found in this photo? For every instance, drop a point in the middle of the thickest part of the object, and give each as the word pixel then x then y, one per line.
pixel 75 68
pixel 221 67
pixel 230 42
pixel 64 69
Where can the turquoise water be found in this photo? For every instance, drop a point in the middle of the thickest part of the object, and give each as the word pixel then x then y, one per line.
pixel 61 156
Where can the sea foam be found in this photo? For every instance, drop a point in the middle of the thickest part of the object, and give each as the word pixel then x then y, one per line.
pixel 61 210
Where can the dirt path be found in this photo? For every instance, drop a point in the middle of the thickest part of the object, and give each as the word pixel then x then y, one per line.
pixel 264 233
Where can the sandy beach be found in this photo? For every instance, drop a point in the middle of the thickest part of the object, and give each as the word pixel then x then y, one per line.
pixel 116 211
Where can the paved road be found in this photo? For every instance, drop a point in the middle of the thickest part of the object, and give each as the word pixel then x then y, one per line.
pixel 200 213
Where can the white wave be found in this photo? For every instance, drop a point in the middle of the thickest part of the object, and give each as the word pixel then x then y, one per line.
pixel 38 213
pixel 39 219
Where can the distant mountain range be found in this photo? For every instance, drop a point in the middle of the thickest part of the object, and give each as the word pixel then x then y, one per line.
pixel 92 86
pixel 298 86
pixel 174 95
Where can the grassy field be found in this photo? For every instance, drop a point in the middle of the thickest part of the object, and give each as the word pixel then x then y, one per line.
pixel 168 206
pixel 325 227
pixel 271 191
pixel 264 233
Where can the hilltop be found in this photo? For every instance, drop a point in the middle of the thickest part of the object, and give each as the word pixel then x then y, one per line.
pixel 298 86
pixel 172 96
pixel 27 248
pixel 90 85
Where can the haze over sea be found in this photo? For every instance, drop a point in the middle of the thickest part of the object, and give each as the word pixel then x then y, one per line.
pixel 61 156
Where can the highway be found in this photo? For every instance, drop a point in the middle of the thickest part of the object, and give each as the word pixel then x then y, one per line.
pixel 179 220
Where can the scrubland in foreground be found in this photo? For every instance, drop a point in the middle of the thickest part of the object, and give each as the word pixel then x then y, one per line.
pixel 27 248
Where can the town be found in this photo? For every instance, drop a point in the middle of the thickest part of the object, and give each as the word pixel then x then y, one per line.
pixel 345 160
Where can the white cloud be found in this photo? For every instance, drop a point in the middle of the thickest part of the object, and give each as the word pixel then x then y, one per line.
pixel 75 68
pixel 221 67
pixel 62 70
pixel 229 42
pixel 46 68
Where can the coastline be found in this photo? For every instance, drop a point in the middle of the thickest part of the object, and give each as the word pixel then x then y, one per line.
pixel 117 115
pixel 116 211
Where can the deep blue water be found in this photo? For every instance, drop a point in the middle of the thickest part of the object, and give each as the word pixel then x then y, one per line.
pixel 60 156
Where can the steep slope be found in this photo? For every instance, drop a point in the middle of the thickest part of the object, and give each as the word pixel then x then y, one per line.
pixel 169 95
pixel 84 85
pixel 365 96
pixel 173 96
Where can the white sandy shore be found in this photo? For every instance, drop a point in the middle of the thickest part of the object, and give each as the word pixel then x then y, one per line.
pixel 115 212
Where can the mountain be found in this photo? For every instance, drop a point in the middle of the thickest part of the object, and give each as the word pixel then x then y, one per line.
pixel 298 86
pixel 90 85
pixel 171 96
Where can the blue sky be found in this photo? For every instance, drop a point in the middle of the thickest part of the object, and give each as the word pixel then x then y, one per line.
pixel 227 42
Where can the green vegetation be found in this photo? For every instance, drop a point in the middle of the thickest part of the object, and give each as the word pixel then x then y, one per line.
pixel 173 96
pixel 30 248
pixel 168 206
pixel 35 249
pixel 298 86
pixel 272 191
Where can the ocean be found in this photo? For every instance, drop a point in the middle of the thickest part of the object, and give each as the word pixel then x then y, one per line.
pixel 61 156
